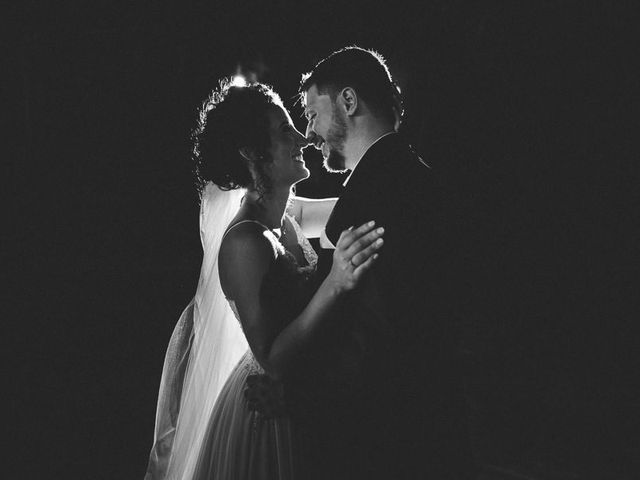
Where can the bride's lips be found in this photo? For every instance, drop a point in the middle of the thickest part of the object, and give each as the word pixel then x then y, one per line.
pixel 298 158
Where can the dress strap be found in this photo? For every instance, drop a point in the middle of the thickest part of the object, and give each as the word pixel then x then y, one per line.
pixel 272 237
pixel 244 221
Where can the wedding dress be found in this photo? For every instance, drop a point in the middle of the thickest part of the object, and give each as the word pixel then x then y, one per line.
pixel 242 442
pixel 213 420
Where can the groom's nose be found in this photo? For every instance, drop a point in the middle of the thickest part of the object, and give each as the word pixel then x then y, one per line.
pixel 309 133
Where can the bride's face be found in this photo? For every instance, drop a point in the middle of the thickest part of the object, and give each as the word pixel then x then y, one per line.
pixel 287 167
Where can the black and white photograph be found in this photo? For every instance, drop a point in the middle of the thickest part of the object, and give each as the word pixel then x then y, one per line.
pixel 330 240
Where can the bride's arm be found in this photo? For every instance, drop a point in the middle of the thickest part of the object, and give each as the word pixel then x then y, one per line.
pixel 245 258
pixel 312 214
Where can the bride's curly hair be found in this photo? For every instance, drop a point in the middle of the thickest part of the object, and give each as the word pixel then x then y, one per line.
pixel 232 117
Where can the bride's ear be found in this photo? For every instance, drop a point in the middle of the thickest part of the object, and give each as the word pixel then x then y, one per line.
pixel 251 157
pixel 247 153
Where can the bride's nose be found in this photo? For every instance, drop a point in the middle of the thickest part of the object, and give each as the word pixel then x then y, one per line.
pixel 301 140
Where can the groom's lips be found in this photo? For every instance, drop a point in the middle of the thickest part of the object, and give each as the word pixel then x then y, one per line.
pixel 318 142
pixel 325 154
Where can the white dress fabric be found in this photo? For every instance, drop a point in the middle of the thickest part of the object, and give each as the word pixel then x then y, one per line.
pixel 205 426
pixel 205 347
pixel 240 442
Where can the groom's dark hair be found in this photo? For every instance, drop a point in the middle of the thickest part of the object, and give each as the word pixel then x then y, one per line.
pixel 363 70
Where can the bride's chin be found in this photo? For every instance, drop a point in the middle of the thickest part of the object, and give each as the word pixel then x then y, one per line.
pixel 303 175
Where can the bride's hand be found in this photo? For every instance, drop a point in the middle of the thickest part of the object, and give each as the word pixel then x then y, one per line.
pixel 355 253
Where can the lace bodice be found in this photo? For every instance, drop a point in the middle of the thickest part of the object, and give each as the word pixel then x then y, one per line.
pixel 310 254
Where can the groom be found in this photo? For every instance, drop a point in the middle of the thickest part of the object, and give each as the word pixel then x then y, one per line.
pixel 383 396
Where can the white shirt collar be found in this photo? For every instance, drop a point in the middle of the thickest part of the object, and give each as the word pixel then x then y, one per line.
pixel 363 154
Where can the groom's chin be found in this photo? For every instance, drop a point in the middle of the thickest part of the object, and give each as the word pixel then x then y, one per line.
pixel 335 163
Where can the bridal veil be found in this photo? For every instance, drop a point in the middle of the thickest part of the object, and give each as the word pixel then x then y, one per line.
pixel 205 346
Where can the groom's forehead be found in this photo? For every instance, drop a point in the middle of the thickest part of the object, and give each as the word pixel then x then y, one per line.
pixel 312 97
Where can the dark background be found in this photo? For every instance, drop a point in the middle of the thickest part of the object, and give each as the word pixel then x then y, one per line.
pixel 525 108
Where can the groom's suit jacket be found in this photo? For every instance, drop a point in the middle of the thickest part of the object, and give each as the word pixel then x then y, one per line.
pixel 385 380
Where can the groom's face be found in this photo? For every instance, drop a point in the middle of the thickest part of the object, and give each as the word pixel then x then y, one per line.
pixel 326 128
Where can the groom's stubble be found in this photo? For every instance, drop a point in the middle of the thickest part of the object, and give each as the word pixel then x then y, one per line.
pixel 336 137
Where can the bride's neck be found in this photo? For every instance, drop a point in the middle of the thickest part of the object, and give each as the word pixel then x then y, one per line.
pixel 268 208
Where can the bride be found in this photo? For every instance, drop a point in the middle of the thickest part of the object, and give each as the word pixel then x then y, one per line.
pixel 222 408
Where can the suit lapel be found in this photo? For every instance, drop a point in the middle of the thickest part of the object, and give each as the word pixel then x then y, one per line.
pixel 335 224
pixel 343 215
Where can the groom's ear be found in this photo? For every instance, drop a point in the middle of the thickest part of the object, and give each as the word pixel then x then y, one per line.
pixel 349 100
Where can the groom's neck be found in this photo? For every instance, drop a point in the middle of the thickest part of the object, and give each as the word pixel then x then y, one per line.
pixel 366 131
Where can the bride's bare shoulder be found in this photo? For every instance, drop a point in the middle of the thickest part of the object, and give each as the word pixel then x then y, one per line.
pixel 247 249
